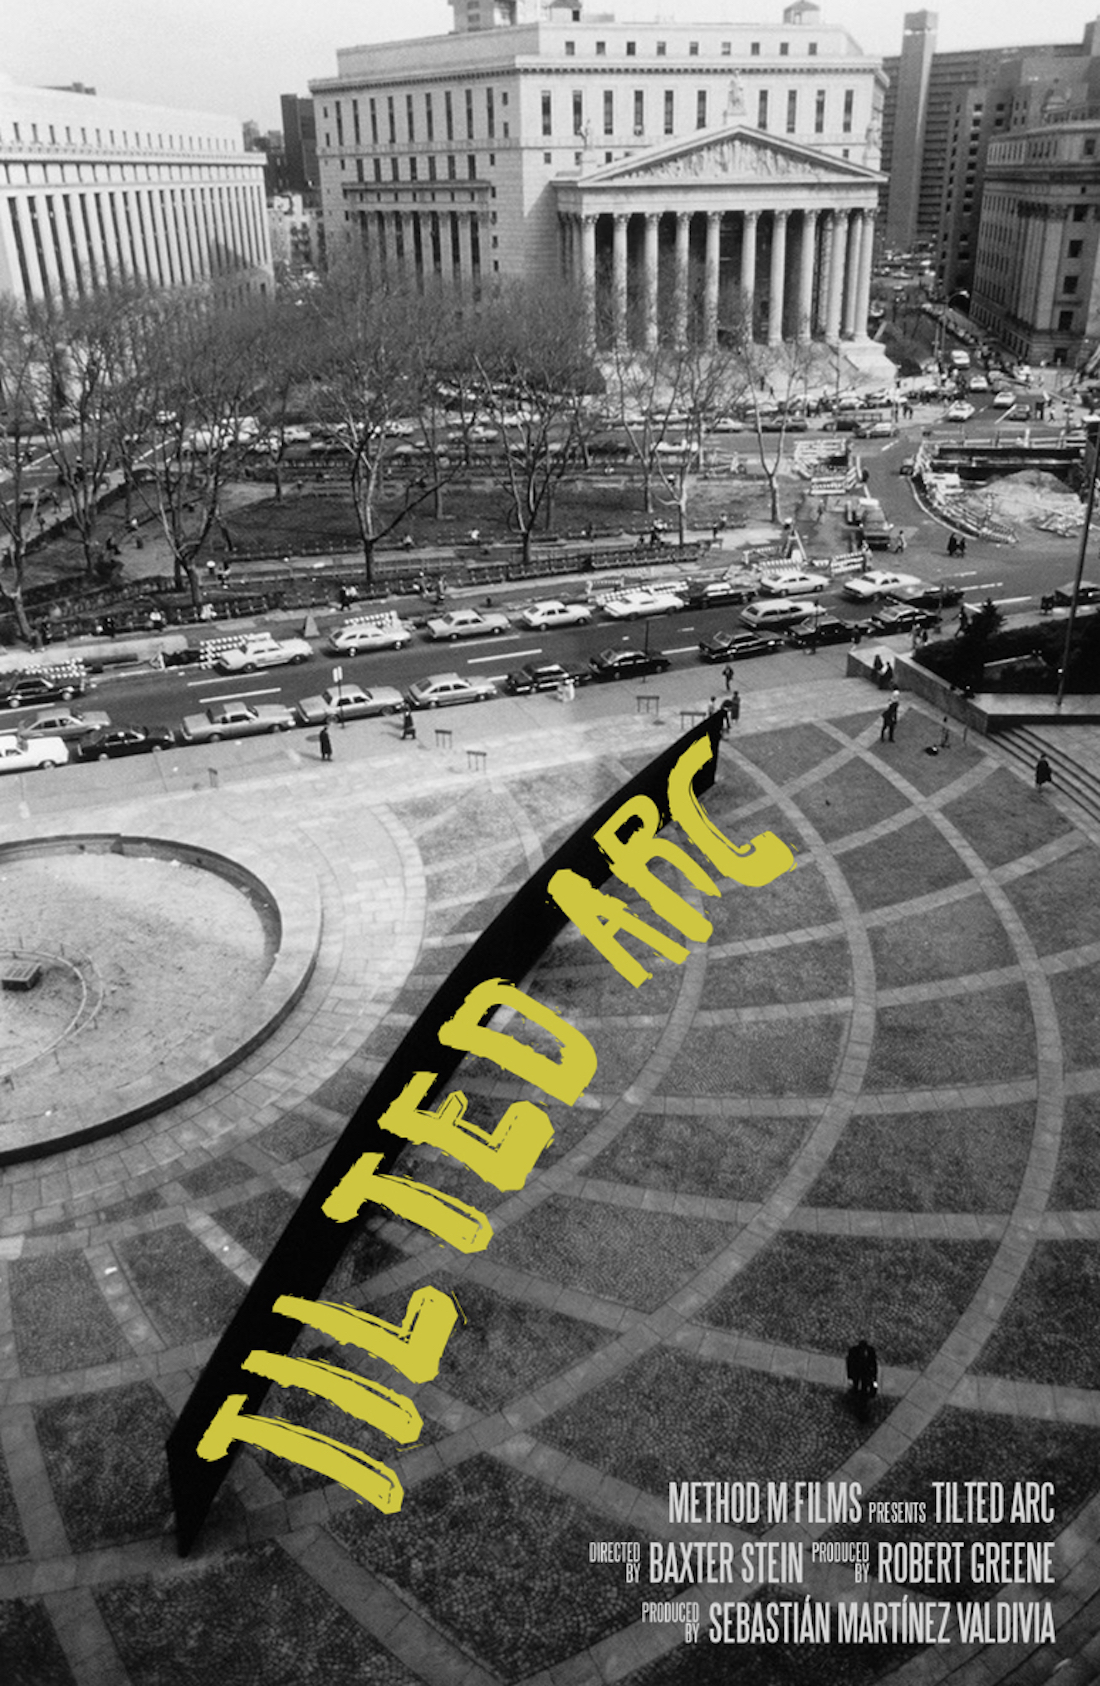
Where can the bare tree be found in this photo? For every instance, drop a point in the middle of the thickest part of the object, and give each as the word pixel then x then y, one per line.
pixel 775 380
pixel 23 394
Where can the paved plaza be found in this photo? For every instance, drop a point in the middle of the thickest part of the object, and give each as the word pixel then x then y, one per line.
pixel 868 1105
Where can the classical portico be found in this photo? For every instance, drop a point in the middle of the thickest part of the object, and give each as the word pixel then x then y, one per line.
pixel 728 228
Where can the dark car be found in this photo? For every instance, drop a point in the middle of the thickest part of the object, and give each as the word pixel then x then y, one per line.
pixel 27 689
pixel 822 629
pixel 926 596
pixel 1087 592
pixel 901 617
pixel 705 593
pixel 543 676
pixel 114 741
pixel 735 646
pixel 627 664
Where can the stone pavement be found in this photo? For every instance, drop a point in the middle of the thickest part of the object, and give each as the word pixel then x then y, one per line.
pixel 869 1104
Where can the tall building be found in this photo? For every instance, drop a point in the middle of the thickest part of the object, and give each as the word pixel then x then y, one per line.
pixel 299 143
pixel 539 138
pixel 94 190
pixel 904 116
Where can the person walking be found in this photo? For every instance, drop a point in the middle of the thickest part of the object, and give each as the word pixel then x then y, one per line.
pixel 1044 774
pixel 727 675
pixel 408 724
pixel 861 1365
pixel 325 741
pixel 889 722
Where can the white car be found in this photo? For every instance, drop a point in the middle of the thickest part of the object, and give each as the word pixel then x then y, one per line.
pixel 467 623
pixel 348 702
pixel 643 600
pixel 877 582
pixel 440 690
pixel 376 633
pixel 978 383
pixel 63 723
pixel 24 755
pixel 1004 400
pixel 261 650
pixel 960 412
pixel 791 582
pixel 554 613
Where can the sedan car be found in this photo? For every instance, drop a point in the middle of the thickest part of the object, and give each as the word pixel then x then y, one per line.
pixel 543 676
pixel 554 613
pixel 735 646
pixel 236 720
pixel 63 723
pixel 348 702
pixel 706 593
pixel 876 582
pixel 642 601
pixel 1087 592
pixel 114 741
pixel 376 633
pixel 1004 400
pixel 960 412
pixel 923 596
pixel 900 617
pixel 440 690
pixel 25 689
pixel 24 755
pixel 467 623
pixel 261 650
pixel 792 582
pixel 821 629
pixel 627 664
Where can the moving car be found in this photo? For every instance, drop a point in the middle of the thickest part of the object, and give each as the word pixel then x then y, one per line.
pixel 63 723
pixel 705 594
pixel 25 689
pixel 1004 399
pixel 236 720
pixel 115 741
pixel 901 617
pixel 467 623
pixel 960 412
pixel 792 582
pixel 543 676
pixel 554 613
pixel 924 596
pixel 375 632
pixel 641 601
pixel 348 702
pixel 259 649
pixel 821 629
pixel 440 690
pixel 773 614
pixel 877 582
pixel 25 755
pixel 1087 592
pixel 627 663
pixel 735 646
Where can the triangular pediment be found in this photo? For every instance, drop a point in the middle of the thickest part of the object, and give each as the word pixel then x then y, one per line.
pixel 731 154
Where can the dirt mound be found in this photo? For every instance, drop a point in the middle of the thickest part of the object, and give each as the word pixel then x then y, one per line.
pixel 1033 495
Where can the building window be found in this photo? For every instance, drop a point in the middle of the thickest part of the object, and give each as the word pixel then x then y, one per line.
pixel 570 49
pixel 601 49
pixel 639 112
pixel 471 166
pixel 1065 321
pixel 632 49
pixel 378 169
pixel 1069 283
pixel 395 174
pixel 693 49
pixel 849 103
pixel 662 49
pixel 578 111
pixel 410 120
pixel 727 49
pixel 1079 213
pixel 469 113
pixel 670 112
pixel 449 114
pixel 1089 148
pixel 1075 247
pixel 792 111
pixel 811 50
pixel 608 112
pixel 339 124
pixel 429 117
pixel 355 121
pixel 412 169
pixel 762 109
pixel 819 112
pixel 754 50
pixel 391 119
pixel 701 109
pixel 490 114
pixel 548 157
pixel 547 115
pixel 784 49
pixel 359 169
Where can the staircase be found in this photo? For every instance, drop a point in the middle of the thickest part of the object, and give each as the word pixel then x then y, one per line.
pixel 1074 756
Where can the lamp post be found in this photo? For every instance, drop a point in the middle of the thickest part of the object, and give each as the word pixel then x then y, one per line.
pixel 941 332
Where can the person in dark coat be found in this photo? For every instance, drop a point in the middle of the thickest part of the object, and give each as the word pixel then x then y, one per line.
pixel 889 722
pixel 325 741
pixel 408 724
pixel 862 1368
pixel 1043 773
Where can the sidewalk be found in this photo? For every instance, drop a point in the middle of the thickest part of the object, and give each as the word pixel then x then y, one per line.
pixel 867 1105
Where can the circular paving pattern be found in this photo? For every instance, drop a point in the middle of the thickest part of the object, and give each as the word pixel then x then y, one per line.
pixel 869 1104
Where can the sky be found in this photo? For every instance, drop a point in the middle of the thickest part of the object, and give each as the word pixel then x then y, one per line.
pixel 237 56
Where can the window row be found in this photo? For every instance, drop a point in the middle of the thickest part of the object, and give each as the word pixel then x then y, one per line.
pixel 46 134
pixel 660 49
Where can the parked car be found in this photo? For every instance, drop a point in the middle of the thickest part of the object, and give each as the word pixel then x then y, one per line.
pixel 923 596
pixel 441 690
pixel 978 383
pixel 627 663
pixel 467 623
pixel 114 741
pixel 348 702
pixel 772 614
pixel 877 582
pixel 821 629
pixel 736 646
pixel 554 613
pixel 901 617
pixel 23 690
pixel 706 593
pixel 1087 592
pixel 26 755
pixel 642 601
pixel 543 676
pixel 959 412
pixel 792 582
pixel 236 720
pixel 1004 399
pixel 378 632
pixel 63 723
pixel 259 649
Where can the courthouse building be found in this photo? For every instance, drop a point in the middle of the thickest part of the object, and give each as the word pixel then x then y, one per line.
pixel 732 165
pixel 97 190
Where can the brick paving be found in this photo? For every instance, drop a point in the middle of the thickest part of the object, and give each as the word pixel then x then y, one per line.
pixel 869 1104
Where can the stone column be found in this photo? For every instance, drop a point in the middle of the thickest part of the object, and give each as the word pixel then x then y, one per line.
pixel 837 262
pixel 588 272
pixel 855 257
pixel 65 254
pixel 827 233
pixel 81 255
pixel 866 259
pixel 38 285
pixel 710 292
pixel 619 277
pixel 778 277
pixel 748 270
pixel 683 237
pixel 807 265
pixel 652 325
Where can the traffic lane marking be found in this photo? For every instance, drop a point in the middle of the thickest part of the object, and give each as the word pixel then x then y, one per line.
pixel 475 661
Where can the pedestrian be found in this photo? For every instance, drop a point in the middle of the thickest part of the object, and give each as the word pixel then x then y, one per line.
pixel 733 707
pixel 889 723
pixel 727 675
pixel 408 724
pixel 964 618
pixel 861 1365
pixel 876 669
pixel 1043 773
pixel 961 549
pixel 952 546
pixel 899 543
pixel 945 733
pixel 712 705
pixel 325 741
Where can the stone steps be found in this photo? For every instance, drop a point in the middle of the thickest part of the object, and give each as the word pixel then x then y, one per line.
pixel 1074 780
